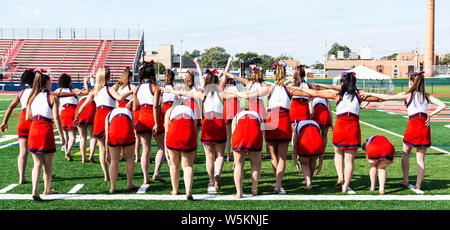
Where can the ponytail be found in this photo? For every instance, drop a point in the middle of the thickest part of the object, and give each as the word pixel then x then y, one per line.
pixel 348 81
pixel 40 80
pixel 418 83
pixel 299 74
pixel 280 75
pixel 101 79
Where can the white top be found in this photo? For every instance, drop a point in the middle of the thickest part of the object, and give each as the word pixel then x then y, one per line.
pixel 301 124
pixel 181 110
pixel 40 106
pixel 25 94
pixel 104 98
pixel 213 103
pixel 169 97
pixel 241 114
pixel 145 94
pixel 319 100
pixel 255 86
pixel 346 105
pixel 279 97
pixel 125 89
pixel 66 100
pixel 302 85
pixel 371 138
pixel 417 104
pixel 119 111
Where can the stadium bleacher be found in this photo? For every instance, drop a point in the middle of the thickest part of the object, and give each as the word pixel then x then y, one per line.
pixel 77 57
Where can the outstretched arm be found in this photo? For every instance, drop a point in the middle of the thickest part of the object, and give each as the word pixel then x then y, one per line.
pixel 252 94
pixel 384 97
pixel 8 112
pixel 195 95
pixel 223 81
pixel 328 93
pixel 239 79
pixel 324 86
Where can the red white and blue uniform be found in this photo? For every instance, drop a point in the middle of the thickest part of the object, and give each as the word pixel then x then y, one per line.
pixel 87 116
pixel 194 105
pixel 247 135
pixel 347 132
pixel 23 127
pixel 378 148
pixel 146 120
pixel 67 108
pixel 299 106
pixel 41 139
pixel 278 123
pixel 121 130
pixel 309 142
pixel 231 106
pixel 182 134
pixel 417 134
pixel 213 127
pixel 257 103
pixel 123 103
pixel 168 99
pixel 105 104
pixel 321 113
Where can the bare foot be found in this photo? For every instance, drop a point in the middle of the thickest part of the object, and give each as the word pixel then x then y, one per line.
pixel 381 192
pixel 132 187
pixel 189 197
pixel 308 187
pixel 52 191
pixel 37 198
pixel 404 184
pixel 69 157
pixel 238 196
pixel 255 192
pixel 91 159
pixel 146 182
pixel 24 182
pixel 174 193
pixel 111 191
pixel 159 178
pixel 339 184
pixel 372 189
pixel 217 182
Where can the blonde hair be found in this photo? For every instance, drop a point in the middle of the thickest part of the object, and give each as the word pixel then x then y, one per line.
pixel 124 78
pixel 189 80
pixel 257 75
pixel 101 79
pixel 280 75
pixel 38 84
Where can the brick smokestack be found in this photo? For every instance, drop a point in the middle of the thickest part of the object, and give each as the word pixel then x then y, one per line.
pixel 429 40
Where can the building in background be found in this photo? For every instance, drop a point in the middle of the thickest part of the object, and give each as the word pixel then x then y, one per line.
pixel 165 55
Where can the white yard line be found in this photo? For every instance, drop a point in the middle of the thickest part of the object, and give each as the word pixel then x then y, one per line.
pixel 6 138
pixel 7 145
pixel 76 188
pixel 9 187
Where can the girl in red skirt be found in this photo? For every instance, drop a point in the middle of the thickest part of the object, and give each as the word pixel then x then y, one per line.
pixel 120 137
pixel 150 122
pixel 230 108
pixel 105 99
pixel 42 109
pixel 247 138
pixel 309 147
pixel 67 109
pixel 321 113
pixel 417 134
pixel 380 154
pixel 347 132
pixel 85 123
pixel 181 146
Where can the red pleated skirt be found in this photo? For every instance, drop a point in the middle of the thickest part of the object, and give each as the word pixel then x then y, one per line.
pixel 121 132
pixel 257 105
pixel 87 116
pixel 146 121
pixel 99 122
pixel 321 115
pixel 278 126
pixel 310 142
pixel 195 107
pixel 230 109
pixel 23 127
pixel 247 135
pixel 380 148
pixel 166 106
pixel 67 115
pixel 347 132
pixel 123 103
pixel 417 134
pixel 299 110
pixel 41 139
pixel 182 135
pixel 213 131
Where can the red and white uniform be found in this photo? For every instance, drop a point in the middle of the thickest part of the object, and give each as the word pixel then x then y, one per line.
pixel 194 105
pixel 168 99
pixel 105 104
pixel 417 134
pixel 67 108
pixel 23 127
pixel 278 128
pixel 347 132
pixel 213 127
pixel 146 120
pixel 231 106
pixel 257 103
pixel 182 118
pixel 121 131
pixel 247 135
pixel 378 148
pixel 41 139
pixel 309 142
pixel 299 106
pixel 87 116
pixel 123 103
pixel 321 113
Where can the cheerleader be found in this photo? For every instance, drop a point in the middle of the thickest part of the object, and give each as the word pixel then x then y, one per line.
pixel 321 113
pixel 150 121
pixel 247 138
pixel 188 86
pixel 105 99
pixel 214 134
pixel 120 137
pixel 347 132
pixel 417 134
pixel 42 109
pixel 309 147
pixel 380 154
pixel 84 124
pixel 230 108
pixel 169 98
pixel 299 110
pixel 181 146
pixel 67 107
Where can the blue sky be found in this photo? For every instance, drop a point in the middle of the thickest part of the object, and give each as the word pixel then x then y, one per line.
pixel 297 28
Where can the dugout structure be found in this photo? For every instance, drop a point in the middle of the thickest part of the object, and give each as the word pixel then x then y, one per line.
pixel 370 80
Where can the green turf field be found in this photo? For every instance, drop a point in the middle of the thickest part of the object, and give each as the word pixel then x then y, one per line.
pixel 69 174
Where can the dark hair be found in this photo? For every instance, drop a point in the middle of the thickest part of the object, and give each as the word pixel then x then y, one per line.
pixel 230 81
pixel 40 80
pixel 170 76
pixel 147 71
pixel 299 74
pixel 348 85
pixel 211 79
pixel 64 81
pixel 418 83
pixel 27 78
pixel 189 80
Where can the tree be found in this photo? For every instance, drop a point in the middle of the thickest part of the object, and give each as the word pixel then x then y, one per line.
pixel 283 57
pixel 194 54
pixel 444 59
pixel 317 65
pixel 336 47
pixel 160 68
pixel 215 57
pixel 391 57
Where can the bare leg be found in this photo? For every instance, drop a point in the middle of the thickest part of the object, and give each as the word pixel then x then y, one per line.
pixel 255 162
pixel 129 158
pixel 83 141
pixel 92 144
pixel 306 170
pixel 218 164
pixel 160 155
pixel 282 155
pixel 373 174
pixel 239 162
pixel 72 134
pixel 22 160
pixel 137 147
pixel 420 156
pixel 146 139
pixel 228 143
pixel 36 174
pixel 339 164
pixel 48 162
pixel 349 158
pixel 102 148
pixel 114 167
pixel 175 158
pixel 324 133
pixel 187 162
pixel 273 148
pixel 210 152
pixel 405 164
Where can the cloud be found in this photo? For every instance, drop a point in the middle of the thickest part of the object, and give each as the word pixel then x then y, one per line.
pixel 21 9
